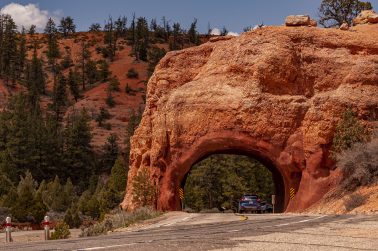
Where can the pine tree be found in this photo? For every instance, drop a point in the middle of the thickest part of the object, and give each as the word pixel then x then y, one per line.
pixel 113 84
pixel 78 154
pixel 192 33
pixel 67 26
pixel 110 38
pixel 104 70
pixel 176 43
pixel 53 52
pixel 59 97
pixel 110 152
pixel 73 84
pixel 96 27
pixel 118 177
pixel 8 49
pixel 21 55
pixel 91 72
pixel 84 56
pixel 35 79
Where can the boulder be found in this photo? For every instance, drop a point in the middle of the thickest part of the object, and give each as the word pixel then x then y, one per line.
pixel 344 27
pixel 366 16
pixel 313 23
pixel 276 94
pixel 298 20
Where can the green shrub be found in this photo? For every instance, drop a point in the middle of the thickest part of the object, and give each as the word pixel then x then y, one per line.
pixel 354 201
pixel 102 116
pixel 132 74
pixel 144 189
pixel 110 100
pixel 113 84
pixel 348 131
pixel 62 231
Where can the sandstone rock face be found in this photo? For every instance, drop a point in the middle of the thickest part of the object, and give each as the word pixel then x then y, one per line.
pixel 366 16
pixel 298 20
pixel 275 94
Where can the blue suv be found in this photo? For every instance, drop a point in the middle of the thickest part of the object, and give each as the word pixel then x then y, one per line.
pixel 249 203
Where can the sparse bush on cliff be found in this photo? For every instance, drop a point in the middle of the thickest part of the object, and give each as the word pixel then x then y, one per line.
pixel 359 164
pixel 348 131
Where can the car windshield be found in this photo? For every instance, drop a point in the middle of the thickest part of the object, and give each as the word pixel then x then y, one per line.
pixel 249 197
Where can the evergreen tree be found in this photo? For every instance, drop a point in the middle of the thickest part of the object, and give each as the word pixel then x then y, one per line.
pixel 102 116
pixel 73 84
pixel 67 26
pixel 192 33
pixel 84 57
pixel 113 84
pixel 110 38
pixel 96 27
pixel 120 26
pixel 91 73
pixel 35 79
pixel 110 152
pixel 104 70
pixel 32 30
pixel 78 154
pixel 176 43
pixel 67 60
pixel 142 39
pixel 59 97
pixel 28 206
pixel 8 49
pixel 21 55
pixel 154 56
pixel 118 178
pixel 53 52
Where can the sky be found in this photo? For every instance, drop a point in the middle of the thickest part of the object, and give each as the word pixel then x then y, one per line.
pixel 233 14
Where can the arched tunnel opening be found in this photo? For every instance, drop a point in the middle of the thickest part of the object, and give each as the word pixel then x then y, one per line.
pixel 219 180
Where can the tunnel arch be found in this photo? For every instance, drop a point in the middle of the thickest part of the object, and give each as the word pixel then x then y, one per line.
pixel 277 179
pixel 227 142
pixel 235 94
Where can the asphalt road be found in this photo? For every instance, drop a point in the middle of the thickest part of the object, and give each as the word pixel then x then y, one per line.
pixel 231 232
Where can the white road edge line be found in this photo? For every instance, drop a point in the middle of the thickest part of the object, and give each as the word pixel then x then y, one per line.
pixel 170 224
pixel 105 247
pixel 296 222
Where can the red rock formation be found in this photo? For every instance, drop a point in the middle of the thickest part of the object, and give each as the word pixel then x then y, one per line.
pixel 276 94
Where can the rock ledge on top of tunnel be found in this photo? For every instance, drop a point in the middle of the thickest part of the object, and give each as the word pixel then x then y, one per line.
pixel 276 93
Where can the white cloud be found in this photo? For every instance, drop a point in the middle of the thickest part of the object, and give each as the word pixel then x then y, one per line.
pixel 234 34
pixel 26 15
pixel 215 32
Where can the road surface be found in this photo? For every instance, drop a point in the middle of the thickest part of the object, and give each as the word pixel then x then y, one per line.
pixel 181 231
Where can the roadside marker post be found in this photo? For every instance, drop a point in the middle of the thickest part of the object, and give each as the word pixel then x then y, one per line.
pixel 181 194
pixel 46 223
pixel 8 229
pixel 273 201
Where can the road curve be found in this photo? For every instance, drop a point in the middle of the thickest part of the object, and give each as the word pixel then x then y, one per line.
pixel 231 232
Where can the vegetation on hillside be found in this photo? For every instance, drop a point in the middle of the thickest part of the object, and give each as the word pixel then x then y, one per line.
pixel 47 161
pixel 333 13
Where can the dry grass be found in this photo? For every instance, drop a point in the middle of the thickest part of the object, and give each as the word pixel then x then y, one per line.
pixel 119 220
